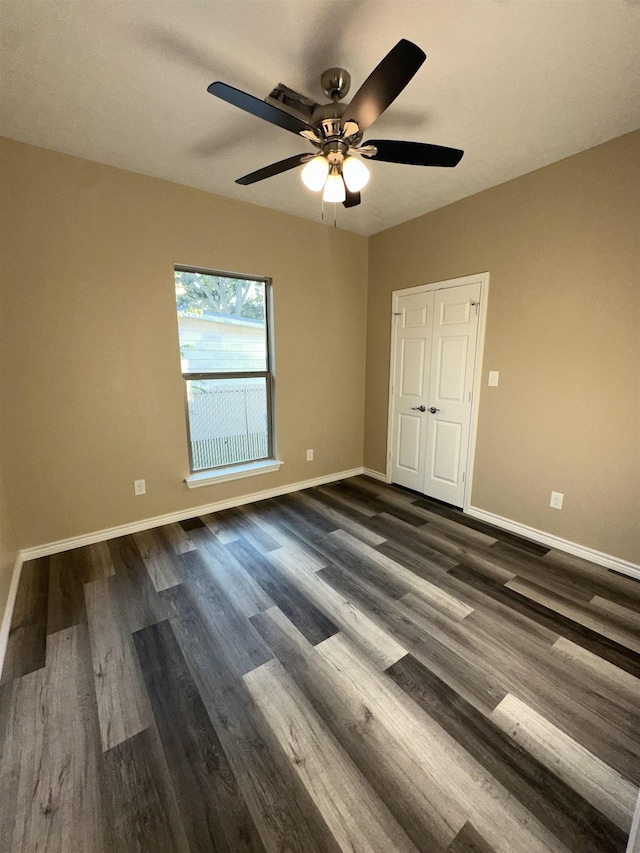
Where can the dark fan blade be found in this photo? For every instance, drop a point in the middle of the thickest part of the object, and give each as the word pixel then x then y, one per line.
pixel 414 153
pixel 384 84
pixel 257 107
pixel 273 169
pixel 352 199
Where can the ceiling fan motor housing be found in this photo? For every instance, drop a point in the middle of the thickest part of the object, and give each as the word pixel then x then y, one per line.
pixel 327 120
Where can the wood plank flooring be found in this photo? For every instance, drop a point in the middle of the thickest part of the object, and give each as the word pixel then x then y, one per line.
pixel 349 668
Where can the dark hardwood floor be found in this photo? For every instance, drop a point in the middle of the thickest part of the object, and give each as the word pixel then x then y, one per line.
pixel 347 668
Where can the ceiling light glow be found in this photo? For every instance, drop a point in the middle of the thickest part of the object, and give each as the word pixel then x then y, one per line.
pixel 334 189
pixel 355 173
pixel 315 173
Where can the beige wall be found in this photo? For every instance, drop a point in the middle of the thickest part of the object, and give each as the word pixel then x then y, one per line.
pixel 92 396
pixel 562 248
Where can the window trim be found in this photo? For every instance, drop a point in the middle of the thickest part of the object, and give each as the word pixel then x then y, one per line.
pixel 247 468
pixel 236 471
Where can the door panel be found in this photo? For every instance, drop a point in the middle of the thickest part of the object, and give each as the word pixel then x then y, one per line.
pixel 445 463
pixel 412 367
pixel 414 318
pixel 413 323
pixel 455 331
pixel 454 312
pixel 409 428
pixel 450 371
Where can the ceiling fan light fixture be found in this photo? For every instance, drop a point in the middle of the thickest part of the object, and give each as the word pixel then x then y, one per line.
pixel 355 173
pixel 315 173
pixel 334 189
pixel 336 129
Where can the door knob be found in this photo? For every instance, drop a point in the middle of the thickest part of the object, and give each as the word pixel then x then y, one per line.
pixel 433 410
pixel 418 409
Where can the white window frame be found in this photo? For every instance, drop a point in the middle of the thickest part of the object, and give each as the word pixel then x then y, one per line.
pixel 248 468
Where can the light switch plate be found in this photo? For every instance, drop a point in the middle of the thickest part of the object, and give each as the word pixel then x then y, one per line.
pixel 493 378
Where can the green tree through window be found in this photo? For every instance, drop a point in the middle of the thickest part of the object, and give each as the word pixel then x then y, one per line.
pixel 197 293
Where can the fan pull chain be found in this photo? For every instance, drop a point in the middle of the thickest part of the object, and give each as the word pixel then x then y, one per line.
pixel 335 213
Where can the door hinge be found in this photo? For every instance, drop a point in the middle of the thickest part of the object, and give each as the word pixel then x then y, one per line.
pixel 475 304
pixel 464 476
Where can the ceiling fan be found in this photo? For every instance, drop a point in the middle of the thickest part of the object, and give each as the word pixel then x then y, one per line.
pixel 337 129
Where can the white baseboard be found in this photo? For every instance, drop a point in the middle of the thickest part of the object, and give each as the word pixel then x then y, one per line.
pixel 180 515
pixel 145 524
pixel 375 475
pixel 607 560
pixel 8 612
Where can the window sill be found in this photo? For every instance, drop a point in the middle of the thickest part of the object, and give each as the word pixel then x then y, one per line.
pixel 235 472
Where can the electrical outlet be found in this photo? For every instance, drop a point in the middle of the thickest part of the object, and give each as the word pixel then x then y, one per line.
pixel 139 487
pixel 556 500
pixel 309 455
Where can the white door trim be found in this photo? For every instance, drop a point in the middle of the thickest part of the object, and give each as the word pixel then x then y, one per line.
pixel 483 280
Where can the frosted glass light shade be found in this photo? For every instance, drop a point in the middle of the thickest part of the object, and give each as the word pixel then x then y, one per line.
pixel 334 189
pixel 355 173
pixel 315 173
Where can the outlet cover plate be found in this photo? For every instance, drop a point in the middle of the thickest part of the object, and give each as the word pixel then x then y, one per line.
pixel 556 500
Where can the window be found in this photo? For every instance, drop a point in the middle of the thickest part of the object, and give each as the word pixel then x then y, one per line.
pixel 223 326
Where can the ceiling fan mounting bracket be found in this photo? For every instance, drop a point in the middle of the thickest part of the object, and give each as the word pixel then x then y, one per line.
pixel 335 83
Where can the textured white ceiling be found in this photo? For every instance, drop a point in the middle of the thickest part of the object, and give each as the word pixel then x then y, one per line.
pixel 517 84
